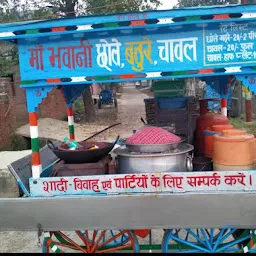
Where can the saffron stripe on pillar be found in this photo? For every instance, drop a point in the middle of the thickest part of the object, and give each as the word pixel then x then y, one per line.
pixel 71 126
pixel 224 107
pixel 36 162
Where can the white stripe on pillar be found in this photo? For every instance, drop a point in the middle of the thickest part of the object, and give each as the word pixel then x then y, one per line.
pixel 70 120
pixel 224 111
pixel 36 171
pixel 34 132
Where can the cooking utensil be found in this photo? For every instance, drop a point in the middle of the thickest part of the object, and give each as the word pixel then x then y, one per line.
pixel 179 160
pixel 143 121
pixel 82 155
pixel 153 148
pixel 101 131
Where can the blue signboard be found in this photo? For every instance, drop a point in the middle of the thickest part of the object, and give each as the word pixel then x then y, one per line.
pixel 150 52
pixel 230 43
pixel 112 53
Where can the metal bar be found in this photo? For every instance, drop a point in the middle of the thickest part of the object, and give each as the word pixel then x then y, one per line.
pixel 78 212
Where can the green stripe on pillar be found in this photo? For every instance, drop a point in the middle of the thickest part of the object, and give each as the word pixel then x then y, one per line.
pixel 71 129
pixel 35 145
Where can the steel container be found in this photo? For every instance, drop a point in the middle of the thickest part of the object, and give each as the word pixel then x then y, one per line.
pixel 178 160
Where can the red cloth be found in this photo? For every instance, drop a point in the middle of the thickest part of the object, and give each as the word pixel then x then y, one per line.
pixel 152 135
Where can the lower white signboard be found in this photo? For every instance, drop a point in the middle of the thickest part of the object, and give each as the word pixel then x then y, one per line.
pixel 145 183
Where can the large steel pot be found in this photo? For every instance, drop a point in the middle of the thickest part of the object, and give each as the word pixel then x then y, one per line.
pixel 179 160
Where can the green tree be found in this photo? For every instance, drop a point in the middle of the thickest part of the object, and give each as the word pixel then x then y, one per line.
pixel 191 3
pixel 14 11
pixel 72 7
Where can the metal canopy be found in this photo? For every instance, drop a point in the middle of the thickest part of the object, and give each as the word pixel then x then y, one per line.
pixel 178 43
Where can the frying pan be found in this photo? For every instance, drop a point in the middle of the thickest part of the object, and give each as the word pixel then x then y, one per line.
pixel 82 155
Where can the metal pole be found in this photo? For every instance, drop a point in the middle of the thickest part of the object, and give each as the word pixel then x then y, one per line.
pixel 224 109
pixel 248 106
pixel 71 122
pixel 36 161
pixel 248 98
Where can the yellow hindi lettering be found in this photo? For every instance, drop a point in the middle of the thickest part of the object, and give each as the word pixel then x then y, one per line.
pixel 136 52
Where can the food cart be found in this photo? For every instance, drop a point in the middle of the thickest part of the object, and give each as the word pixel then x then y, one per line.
pixel 197 211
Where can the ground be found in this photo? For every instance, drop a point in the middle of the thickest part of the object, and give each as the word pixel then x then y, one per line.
pixel 129 112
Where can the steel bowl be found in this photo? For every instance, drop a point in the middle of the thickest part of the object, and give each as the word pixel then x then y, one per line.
pixel 153 148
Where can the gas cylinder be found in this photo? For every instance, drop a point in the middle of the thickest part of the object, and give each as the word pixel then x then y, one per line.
pixel 206 119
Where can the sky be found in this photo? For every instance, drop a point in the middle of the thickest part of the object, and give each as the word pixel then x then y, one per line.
pixel 167 4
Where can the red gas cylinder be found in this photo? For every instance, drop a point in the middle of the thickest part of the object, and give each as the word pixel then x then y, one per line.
pixel 206 120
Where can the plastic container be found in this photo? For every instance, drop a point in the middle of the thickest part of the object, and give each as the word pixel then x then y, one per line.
pixel 234 132
pixel 72 145
pixel 233 150
pixel 222 127
pixel 203 122
pixel 208 142
pixel 209 137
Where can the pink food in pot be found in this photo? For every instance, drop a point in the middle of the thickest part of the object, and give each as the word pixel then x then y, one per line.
pixel 153 135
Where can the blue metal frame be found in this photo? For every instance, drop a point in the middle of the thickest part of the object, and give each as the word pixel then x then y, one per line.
pixel 190 22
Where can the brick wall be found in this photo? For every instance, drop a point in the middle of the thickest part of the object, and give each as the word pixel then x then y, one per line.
pixel 52 107
pixel 19 98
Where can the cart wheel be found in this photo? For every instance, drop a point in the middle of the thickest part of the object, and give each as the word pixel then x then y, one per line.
pixel 115 102
pixel 91 241
pixel 99 104
pixel 203 240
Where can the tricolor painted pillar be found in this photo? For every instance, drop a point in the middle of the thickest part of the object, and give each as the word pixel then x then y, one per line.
pixel 224 107
pixel 71 126
pixel 36 162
